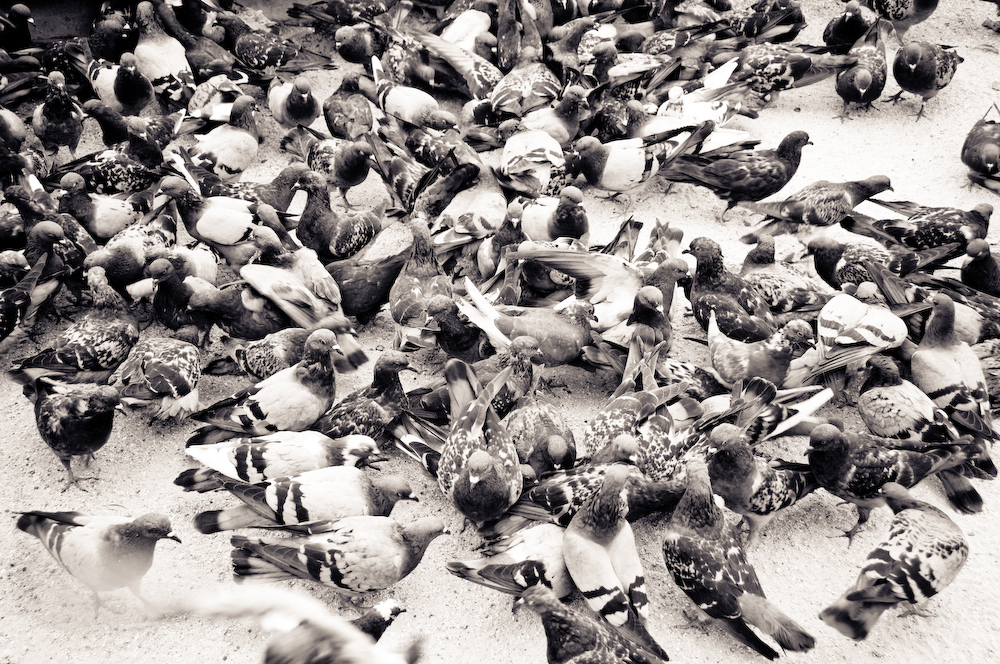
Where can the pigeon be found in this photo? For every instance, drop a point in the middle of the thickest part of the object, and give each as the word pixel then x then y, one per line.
pixel 281 454
pixel 172 293
pixel 785 288
pixel 57 121
pixel 574 637
pixel 15 27
pixel 924 69
pixel 511 564
pixel 895 408
pixel 733 360
pixel 848 332
pixel 949 372
pixel 292 102
pixel 854 467
pixel 304 631
pixel 407 104
pixel 103 552
pixel 323 494
pixel 741 312
pixel 921 556
pixel 711 567
pixel 162 372
pixel 266 51
pixel 347 112
pixel 600 554
pixel 820 204
pixel 541 436
pixel 122 87
pixel 981 151
pixel 751 487
pixel 74 419
pixel 352 556
pixel 334 235
pixel 231 148
pixel 529 85
pixel 927 227
pixel 740 175
pixel 846 28
pixel 343 164
pixel 365 284
pixel 561 120
pixel 454 334
pixel 421 278
pixel 101 215
pixel 864 81
pixel 290 400
pixel 981 270
pixel 479 469
pixel 90 349
pixel 371 409
pixel 201 42
pixel 550 219
pixel 903 14
pixel 162 59
pixel 561 334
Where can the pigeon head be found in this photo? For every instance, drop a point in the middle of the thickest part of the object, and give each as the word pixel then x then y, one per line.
pixel 649 297
pixel 311 181
pixel 823 438
pixel 440 119
pixel 526 347
pixel 154 527
pixel 160 270
pixel 394 488
pixel 559 453
pixel 940 328
pixel 797 334
pixel 882 371
pixel 391 362
pixel 625 447
pixel 985 210
pixel 73 182
pixel 897 497
pixel 320 343
pixel 174 186
pixel 977 249
pixel 911 54
pixel 610 504
pixel 862 81
pixel 791 145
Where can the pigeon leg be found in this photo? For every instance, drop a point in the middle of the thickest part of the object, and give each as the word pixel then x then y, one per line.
pixel 915 609
pixel 895 98
pixel 73 479
pixel 863 514
pixel 844 115
pixel 98 603
pixel 920 113
pixel 343 196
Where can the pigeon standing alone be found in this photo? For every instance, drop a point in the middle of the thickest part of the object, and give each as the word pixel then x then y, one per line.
pixel 104 552
pixel 924 69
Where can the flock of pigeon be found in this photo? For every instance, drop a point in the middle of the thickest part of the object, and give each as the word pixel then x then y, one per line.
pixel 165 267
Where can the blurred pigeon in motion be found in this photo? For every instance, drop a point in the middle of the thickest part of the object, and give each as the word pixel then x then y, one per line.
pixel 103 552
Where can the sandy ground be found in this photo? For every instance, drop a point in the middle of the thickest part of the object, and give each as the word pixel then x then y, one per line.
pixel 46 616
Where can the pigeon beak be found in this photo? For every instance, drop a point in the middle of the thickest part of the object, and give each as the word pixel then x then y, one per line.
pixel 374 459
pixel 171 536
pixel 120 407
pixel 31 21
pixel 414 497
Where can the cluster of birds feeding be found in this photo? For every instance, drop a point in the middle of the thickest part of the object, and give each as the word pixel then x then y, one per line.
pixel 502 278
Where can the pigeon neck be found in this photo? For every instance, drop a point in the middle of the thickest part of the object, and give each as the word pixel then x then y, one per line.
pixel 697 509
pixel 941 327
